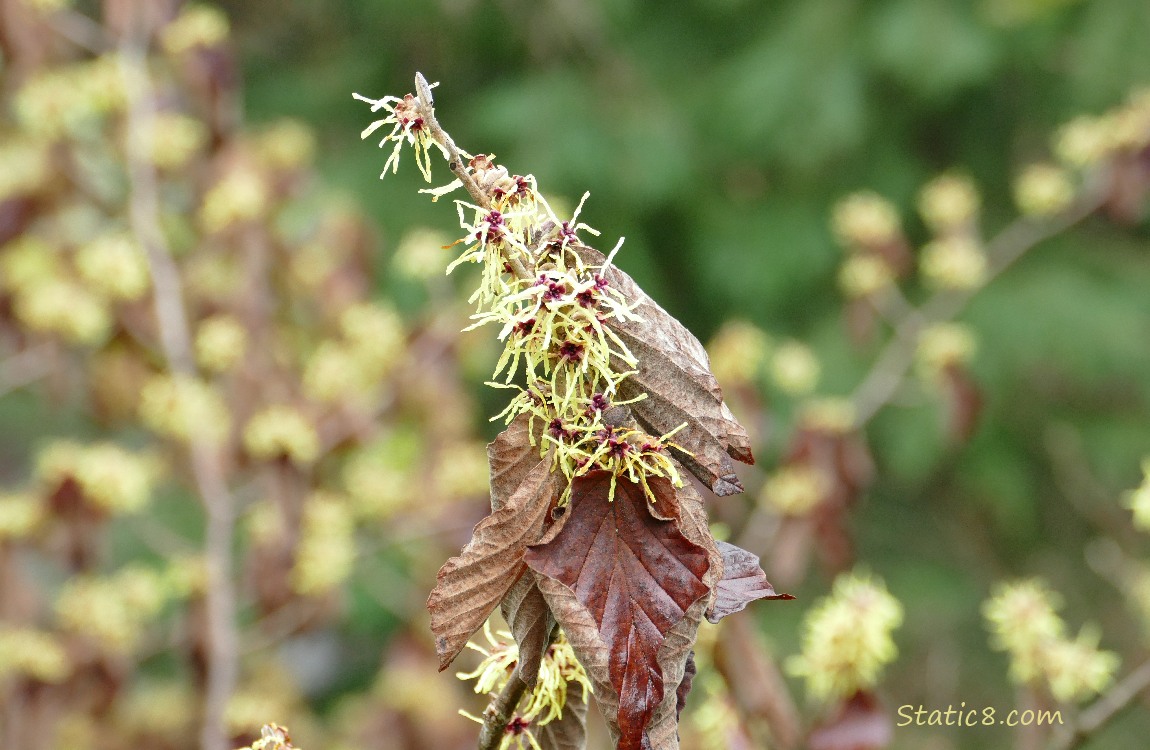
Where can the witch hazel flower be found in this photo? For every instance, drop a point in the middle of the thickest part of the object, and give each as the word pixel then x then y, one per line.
pixel 551 307
pixel 408 126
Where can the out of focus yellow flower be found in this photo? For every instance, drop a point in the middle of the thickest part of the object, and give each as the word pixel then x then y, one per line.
pixel 1077 669
pixel 114 264
pixel 326 551
pixel 196 26
pixel 20 515
pixel 1043 190
pixel 954 262
pixel 176 139
pixel 32 653
pixel 865 219
pixel 66 308
pixel 285 145
pixel 282 431
pixel 111 477
pixel 112 610
pixel 832 414
pixel 794 368
pixel 738 352
pixel 221 341
pixel 847 638
pixel 26 261
pixel 942 345
pixel 184 408
pixel 794 489
pixel 1024 622
pixel 240 195
pixel 862 275
pixel 25 165
pixel 422 253
pixel 1082 142
pixel 948 203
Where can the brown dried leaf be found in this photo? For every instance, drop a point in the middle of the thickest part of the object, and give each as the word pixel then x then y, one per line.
pixel 531 621
pixel 675 373
pixel 469 586
pixel 511 457
pixel 743 582
pixel 636 576
pixel 569 732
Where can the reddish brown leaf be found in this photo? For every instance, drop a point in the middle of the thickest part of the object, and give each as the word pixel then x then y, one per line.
pixel 860 723
pixel 743 582
pixel 469 586
pixel 636 575
pixel 675 373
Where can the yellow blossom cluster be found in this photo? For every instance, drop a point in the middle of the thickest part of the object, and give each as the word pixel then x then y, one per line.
pixel 20 515
pixel 59 101
pixel 847 638
pixel 281 431
pixel 326 550
pixel 112 610
pixel 112 478
pixel 553 309
pixel 794 368
pixel 352 366
pixel 32 653
pixel 794 489
pixel 865 220
pixel 558 669
pixel 949 203
pixel 184 408
pixel 1088 140
pixel 738 352
pixel 196 26
pixel 1024 622
pixel 943 345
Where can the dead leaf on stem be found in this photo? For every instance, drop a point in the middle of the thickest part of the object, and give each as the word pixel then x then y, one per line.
pixel 636 576
pixel 675 373
pixel 470 586
pixel 743 582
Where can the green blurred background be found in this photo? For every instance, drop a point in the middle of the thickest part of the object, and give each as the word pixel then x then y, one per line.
pixel 716 136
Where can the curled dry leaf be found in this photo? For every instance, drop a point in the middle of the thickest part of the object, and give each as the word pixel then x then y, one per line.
pixel 634 576
pixel 675 373
pixel 470 586
pixel 743 582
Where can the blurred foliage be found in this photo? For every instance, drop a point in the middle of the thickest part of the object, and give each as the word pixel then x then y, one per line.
pixel 717 136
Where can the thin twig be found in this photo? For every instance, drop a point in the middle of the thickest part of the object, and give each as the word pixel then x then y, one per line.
pixel 502 709
pixel 890 369
pixel 175 338
pixel 455 160
pixel 1105 709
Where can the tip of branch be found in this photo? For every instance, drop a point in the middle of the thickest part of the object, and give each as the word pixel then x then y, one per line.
pixel 423 89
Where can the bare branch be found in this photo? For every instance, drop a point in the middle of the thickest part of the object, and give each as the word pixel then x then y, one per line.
pixel 175 339
pixel 889 370
pixel 1105 709
pixel 502 709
